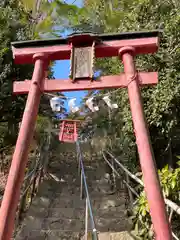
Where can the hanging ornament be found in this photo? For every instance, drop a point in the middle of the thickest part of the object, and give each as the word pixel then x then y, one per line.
pixel 91 106
pixel 72 106
pixel 55 104
pixel 108 102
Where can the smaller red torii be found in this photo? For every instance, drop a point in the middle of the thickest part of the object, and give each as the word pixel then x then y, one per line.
pixel 69 130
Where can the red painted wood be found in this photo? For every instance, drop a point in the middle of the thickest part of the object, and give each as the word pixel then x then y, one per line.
pixel 62 130
pixel 68 131
pixel 20 156
pixel 117 81
pixel 153 190
pixel 106 49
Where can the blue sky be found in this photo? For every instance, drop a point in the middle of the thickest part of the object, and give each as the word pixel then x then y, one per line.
pixel 61 68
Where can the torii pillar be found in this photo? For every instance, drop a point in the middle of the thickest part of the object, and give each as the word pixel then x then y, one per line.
pixel 126 46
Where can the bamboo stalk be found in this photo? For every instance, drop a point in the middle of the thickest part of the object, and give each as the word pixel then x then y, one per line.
pixel 175 237
pixel 128 186
pixel 126 170
pixel 171 204
pixel 130 189
pixel 170 215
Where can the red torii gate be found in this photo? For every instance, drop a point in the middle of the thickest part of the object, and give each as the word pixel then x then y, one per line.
pixel 40 52
pixel 69 130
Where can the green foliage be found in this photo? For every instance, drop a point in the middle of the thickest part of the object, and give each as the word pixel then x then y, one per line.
pixel 170 182
pixel 50 18
pixel 40 15
pixel 161 103
pixel 42 124
pixel 43 128
pixel 13 27
pixel 18 22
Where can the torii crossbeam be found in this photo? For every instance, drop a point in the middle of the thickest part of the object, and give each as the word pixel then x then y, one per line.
pixel 41 52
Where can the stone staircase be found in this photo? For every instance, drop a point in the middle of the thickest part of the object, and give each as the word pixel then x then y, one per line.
pixel 57 211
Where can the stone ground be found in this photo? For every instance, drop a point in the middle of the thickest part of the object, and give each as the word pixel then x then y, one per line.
pixel 116 236
pixel 58 213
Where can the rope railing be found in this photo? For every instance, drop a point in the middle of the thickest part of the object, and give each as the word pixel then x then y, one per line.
pixel 33 178
pixel 168 202
pixel 173 206
pixel 118 175
pixel 88 211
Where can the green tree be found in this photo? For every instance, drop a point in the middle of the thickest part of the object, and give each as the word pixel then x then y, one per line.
pixel 19 21
pixel 161 103
pixel 13 28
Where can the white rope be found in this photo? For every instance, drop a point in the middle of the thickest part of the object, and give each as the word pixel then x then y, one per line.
pixel 66 98
pixel 72 106
pixel 91 106
pixel 107 100
pixel 55 104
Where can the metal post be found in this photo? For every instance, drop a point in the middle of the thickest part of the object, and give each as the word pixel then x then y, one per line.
pixel 149 170
pixel 86 220
pixel 16 173
pixel 81 187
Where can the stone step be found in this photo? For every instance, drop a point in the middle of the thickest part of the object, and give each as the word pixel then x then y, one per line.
pixel 100 202
pixel 41 202
pixel 70 179
pixel 32 224
pixel 60 183
pixel 69 213
pixel 68 235
pixel 74 201
pixel 111 224
pixel 114 236
pixel 72 173
pixel 64 235
pixel 93 191
pixel 57 211
pixel 67 190
pixel 74 176
pixel 59 165
pixel 49 235
pixel 73 187
pixel 102 224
